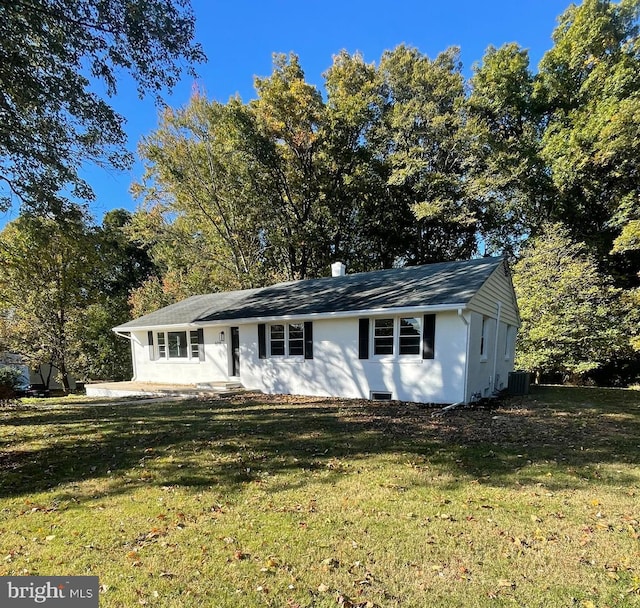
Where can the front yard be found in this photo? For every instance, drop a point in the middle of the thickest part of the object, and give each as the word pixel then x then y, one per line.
pixel 298 502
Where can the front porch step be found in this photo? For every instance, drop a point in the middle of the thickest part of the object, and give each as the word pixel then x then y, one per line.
pixel 218 386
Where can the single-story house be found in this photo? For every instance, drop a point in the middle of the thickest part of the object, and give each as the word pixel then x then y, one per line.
pixel 437 333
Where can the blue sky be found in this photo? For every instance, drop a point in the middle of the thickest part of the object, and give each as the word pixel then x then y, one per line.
pixel 240 36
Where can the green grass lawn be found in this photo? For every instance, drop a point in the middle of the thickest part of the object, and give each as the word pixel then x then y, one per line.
pixel 290 502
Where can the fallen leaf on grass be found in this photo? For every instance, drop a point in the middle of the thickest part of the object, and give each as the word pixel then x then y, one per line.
pixel 346 602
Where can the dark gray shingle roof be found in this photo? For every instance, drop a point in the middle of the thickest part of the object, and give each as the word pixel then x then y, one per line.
pixel 445 283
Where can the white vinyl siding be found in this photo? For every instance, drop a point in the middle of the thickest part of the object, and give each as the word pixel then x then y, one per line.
pixel 497 288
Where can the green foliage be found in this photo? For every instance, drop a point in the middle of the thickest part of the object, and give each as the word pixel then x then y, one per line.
pixel 9 378
pixel 44 285
pixel 422 140
pixel 238 195
pixel 52 117
pixel 507 171
pixel 571 315
pixel 590 82
pixel 397 163
pixel 65 285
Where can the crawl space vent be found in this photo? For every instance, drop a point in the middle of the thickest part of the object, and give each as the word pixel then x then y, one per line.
pixel 380 396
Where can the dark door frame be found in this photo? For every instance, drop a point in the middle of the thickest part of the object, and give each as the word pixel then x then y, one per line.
pixel 235 351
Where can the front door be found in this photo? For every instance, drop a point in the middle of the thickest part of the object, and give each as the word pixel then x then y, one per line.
pixel 235 351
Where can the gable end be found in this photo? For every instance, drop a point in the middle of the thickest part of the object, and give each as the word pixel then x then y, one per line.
pixel 497 288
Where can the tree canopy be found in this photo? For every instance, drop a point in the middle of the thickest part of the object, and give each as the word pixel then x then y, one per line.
pixel 64 284
pixel 53 55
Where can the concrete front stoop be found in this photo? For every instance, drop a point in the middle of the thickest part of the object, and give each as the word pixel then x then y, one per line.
pixel 153 389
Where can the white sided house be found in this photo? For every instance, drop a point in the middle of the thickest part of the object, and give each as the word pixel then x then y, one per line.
pixel 438 333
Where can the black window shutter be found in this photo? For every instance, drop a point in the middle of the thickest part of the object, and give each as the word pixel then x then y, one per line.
pixel 150 342
pixel 428 337
pixel 262 341
pixel 308 340
pixel 363 339
pixel 201 344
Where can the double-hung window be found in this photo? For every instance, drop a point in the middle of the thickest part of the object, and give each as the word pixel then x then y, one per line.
pixel 286 339
pixel 296 339
pixel 383 337
pixel 410 336
pixel 401 335
pixel 277 334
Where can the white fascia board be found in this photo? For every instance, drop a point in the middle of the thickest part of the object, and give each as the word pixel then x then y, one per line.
pixel 120 329
pixel 342 314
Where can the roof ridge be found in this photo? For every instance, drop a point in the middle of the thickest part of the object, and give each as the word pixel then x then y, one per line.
pixel 436 284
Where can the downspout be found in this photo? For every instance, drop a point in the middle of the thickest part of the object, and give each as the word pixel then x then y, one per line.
pixel 468 353
pixel 133 354
pixel 495 346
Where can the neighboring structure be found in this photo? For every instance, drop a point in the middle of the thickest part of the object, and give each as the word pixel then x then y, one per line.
pixel 15 361
pixel 44 377
pixel 439 333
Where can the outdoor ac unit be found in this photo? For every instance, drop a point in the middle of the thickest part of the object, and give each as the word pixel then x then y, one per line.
pixel 519 383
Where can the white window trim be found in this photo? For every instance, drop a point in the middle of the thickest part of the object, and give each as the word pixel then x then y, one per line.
pixel 167 358
pixel 396 356
pixel 287 354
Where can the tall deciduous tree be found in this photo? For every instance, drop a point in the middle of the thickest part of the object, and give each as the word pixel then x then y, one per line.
pixel 571 316
pixel 123 265
pixel 506 169
pixel 51 118
pixel 289 114
pixel 201 190
pixel 364 232
pixel 44 288
pixel 423 141
pixel 65 284
pixel 590 82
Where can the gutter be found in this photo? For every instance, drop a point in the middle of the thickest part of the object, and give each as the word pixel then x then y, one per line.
pixel 495 349
pixel 122 334
pixel 468 354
